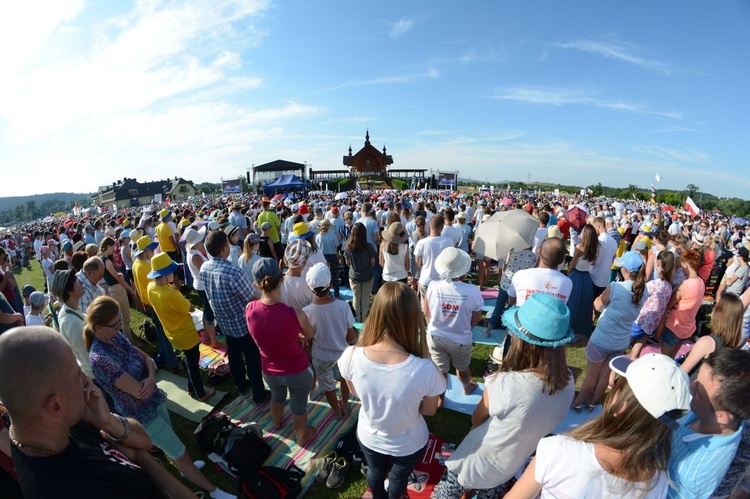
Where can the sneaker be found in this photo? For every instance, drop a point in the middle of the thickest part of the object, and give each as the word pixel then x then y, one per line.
pixel 326 466
pixel 338 473
pixel 358 458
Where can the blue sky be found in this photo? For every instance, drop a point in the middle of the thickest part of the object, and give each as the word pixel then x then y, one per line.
pixel 576 92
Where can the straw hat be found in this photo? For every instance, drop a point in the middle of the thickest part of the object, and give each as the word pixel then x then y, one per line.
pixel 395 233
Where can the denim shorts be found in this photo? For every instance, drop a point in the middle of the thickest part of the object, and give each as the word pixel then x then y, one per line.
pixel 595 353
pixel 669 338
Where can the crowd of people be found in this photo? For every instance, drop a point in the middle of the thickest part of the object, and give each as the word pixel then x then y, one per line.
pixel 83 404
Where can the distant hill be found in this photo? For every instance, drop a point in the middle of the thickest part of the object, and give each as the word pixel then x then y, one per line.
pixel 9 203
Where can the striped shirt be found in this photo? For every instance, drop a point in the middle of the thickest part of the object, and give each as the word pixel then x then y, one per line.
pixel 229 290
pixel 698 461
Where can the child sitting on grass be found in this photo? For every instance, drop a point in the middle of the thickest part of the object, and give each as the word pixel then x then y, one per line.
pixel 333 326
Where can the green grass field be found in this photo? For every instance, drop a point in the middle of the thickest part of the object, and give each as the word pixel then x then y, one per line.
pixel 448 425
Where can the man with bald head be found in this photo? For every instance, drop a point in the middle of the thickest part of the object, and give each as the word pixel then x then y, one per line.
pixel 65 442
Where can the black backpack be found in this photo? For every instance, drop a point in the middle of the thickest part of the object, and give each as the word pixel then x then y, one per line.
pixel 242 447
pixel 271 482
pixel 149 331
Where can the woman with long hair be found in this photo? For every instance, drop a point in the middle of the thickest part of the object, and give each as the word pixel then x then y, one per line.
pixel 389 369
pixel 659 293
pixel 394 254
pixel 726 331
pixel 619 304
pixel 117 287
pixel 127 374
pixel 581 301
pixel 420 232
pixel 360 257
pixel 624 452
pixel 521 403
pixel 279 331
pixel 678 322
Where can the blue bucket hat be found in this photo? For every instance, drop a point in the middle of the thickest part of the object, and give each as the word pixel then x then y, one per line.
pixel 542 320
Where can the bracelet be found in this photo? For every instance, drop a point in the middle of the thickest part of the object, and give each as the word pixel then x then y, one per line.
pixel 126 434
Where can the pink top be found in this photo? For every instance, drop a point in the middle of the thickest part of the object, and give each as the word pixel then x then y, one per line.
pixel 275 329
pixel 681 320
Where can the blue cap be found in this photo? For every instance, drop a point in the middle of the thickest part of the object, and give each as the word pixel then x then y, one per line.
pixel 630 260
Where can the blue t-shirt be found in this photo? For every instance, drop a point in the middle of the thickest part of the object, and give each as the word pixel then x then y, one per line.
pixel 612 332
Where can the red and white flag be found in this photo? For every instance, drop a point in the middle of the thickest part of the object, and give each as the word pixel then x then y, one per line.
pixel 692 207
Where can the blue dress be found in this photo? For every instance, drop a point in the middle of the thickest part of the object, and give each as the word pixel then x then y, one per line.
pixel 581 301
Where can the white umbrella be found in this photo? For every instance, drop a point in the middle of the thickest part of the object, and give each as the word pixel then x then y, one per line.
pixel 341 195
pixel 505 231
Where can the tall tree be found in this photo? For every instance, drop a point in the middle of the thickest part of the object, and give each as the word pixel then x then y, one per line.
pixel 692 189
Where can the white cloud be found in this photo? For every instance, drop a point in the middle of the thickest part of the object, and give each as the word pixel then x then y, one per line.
pixel 615 50
pixel 401 27
pixel 681 155
pixel 563 97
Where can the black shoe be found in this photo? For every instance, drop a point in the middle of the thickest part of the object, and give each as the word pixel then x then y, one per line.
pixel 358 458
pixel 326 467
pixel 337 474
pixel 265 398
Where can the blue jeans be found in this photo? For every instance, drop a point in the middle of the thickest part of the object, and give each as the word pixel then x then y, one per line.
pixel 398 478
pixel 497 314
pixel 244 352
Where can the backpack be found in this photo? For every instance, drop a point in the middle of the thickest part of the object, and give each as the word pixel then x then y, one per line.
pixel 241 446
pixel 271 482
pixel 148 330
pixel 211 434
pixel 218 371
pixel 245 450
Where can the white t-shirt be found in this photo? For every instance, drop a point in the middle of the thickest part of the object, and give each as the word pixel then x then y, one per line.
pixel 330 323
pixel 602 267
pixel 428 249
pixel 35 319
pixel 295 292
pixel 390 422
pixel 539 237
pixel 566 467
pixel 540 280
pixel 451 306
pixel 452 233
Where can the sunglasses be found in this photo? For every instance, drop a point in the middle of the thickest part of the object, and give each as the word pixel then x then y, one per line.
pixel 115 325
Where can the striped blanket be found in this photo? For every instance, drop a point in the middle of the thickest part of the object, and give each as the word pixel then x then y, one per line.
pixel 285 450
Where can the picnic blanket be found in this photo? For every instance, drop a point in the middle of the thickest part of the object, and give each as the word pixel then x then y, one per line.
pixel 427 472
pixel 496 336
pixel 285 450
pixel 180 402
pixel 455 399
pixel 490 294
pixel 654 348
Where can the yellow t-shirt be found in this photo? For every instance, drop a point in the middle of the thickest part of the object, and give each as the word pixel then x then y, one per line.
pixel 270 216
pixel 164 235
pixel 173 311
pixel 141 268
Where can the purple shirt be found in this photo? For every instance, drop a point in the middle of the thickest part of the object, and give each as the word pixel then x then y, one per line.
pixel 109 362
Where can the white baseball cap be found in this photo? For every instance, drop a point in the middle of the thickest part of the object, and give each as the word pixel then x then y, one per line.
pixel 318 276
pixel 659 384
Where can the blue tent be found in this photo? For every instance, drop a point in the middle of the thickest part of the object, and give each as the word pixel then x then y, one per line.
pixel 284 184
